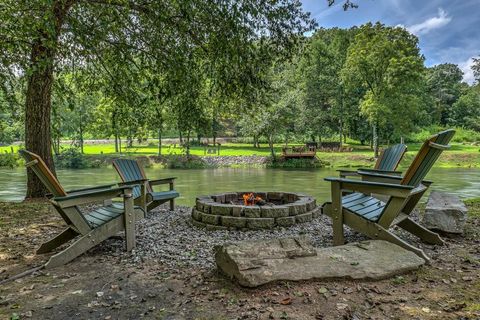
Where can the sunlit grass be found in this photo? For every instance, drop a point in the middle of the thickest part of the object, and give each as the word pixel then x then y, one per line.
pixel 459 155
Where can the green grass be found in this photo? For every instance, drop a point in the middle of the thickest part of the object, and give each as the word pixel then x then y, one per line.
pixel 460 155
pixel 473 207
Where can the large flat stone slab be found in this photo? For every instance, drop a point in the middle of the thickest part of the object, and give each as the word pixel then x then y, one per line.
pixel 445 212
pixel 254 263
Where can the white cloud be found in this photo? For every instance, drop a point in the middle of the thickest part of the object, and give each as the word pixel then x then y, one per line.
pixel 466 67
pixel 430 24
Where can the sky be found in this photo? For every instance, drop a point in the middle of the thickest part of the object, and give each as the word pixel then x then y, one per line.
pixel 448 31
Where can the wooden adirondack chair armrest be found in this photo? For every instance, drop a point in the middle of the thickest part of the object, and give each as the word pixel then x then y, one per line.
pixel 346 173
pixel 162 181
pixel 106 186
pixel 92 196
pixel 380 176
pixel 427 183
pixel 378 171
pixel 133 182
pixel 367 187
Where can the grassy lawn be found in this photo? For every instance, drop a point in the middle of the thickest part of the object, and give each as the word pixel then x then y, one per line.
pixel 460 155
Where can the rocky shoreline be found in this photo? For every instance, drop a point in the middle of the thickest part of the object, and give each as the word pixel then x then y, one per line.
pixel 225 161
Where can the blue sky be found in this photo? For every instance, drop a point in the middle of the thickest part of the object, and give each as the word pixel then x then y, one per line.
pixel 449 31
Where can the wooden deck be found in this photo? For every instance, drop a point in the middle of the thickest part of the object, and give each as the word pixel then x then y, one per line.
pixel 298 152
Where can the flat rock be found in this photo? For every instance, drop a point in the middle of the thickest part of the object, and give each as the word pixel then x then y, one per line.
pixel 445 212
pixel 254 263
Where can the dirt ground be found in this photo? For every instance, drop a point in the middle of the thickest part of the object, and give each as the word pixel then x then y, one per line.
pixel 101 285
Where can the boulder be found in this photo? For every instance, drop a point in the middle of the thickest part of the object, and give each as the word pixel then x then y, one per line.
pixel 445 212
pixel 254 263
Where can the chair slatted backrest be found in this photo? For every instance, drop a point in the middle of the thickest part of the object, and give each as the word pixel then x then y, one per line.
pixel 390 157
pixel 39 167
pixel 426 157
pixel 130 170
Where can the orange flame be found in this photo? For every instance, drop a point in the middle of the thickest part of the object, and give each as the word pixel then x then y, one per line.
pixel 249 199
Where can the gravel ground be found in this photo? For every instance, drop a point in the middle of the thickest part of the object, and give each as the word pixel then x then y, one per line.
pixel 170 238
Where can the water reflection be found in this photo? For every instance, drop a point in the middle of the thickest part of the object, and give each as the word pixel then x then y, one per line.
pixel 190 183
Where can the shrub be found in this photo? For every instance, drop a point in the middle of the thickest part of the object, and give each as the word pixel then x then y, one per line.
pixel 461 135
pixel 71 159
pixel 10 160
pixel 296 163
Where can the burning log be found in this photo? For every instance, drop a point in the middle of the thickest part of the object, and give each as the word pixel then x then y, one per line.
pixel 249 199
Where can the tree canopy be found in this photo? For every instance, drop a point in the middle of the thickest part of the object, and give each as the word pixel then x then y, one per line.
pixel 228 42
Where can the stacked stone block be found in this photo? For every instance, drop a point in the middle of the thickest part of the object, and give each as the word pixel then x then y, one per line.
pixel 224 211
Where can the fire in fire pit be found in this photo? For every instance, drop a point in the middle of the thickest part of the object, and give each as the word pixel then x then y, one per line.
pixel 253 210
pixel 249 199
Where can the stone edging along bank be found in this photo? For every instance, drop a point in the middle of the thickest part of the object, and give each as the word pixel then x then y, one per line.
pixel 221 211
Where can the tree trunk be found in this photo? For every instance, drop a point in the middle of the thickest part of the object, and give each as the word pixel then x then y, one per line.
pixel 37 115
pixel 81 135
pixel 56 143
pixel 116 142
pixel 130 138
pixel 270 144
pixel 159 141
pixel 375 141
pixel 187 147
pixel 341 133
pixel 39 93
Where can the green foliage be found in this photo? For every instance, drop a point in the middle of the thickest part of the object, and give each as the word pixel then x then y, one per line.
pixel 326 107
pixel 476 69
pixel 119 75
pixel 296 163
pixel 10 160
pixel 386 62
pixel 72 158
pixel 461 135
pixel 444 85
pixel 466 110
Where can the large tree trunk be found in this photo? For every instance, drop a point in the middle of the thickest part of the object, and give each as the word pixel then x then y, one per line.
pixel 39 93
pixel 37 114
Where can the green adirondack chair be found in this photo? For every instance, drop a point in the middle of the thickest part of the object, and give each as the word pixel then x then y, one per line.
pixel 386 163
pixel 132 173
pixel 369 215
pixel 94 226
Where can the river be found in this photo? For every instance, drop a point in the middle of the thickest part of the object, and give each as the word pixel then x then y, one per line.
pixel 190 183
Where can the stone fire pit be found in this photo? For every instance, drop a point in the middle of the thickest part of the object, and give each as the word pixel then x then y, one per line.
pixel 226 211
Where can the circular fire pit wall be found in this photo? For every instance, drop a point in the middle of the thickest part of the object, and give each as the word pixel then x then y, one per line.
pixel 226 211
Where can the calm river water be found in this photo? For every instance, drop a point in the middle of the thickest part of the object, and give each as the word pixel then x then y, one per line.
pixel 190 183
